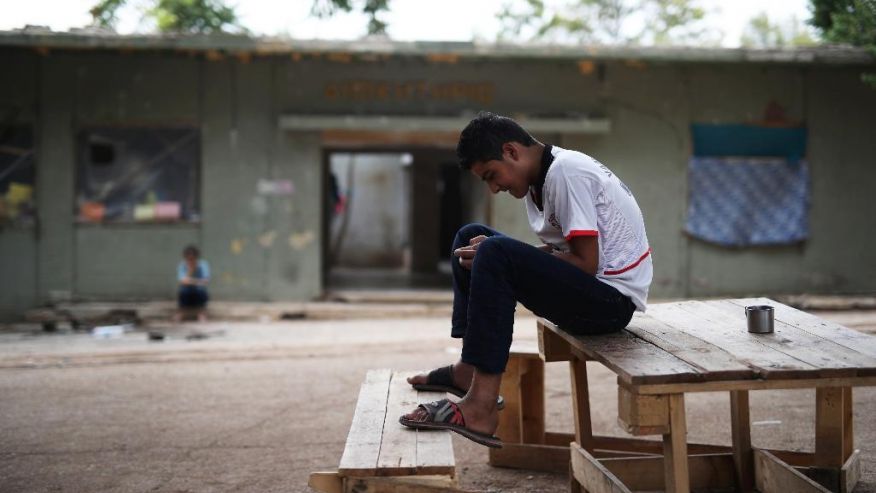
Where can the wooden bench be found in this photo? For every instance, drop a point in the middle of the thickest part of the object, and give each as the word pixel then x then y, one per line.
pixel 697 346
pixel 381 455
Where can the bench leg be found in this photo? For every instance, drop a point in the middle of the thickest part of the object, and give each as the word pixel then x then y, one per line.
pixel 675 467
pixel 743 457
pixel 509 429
pixel 581 403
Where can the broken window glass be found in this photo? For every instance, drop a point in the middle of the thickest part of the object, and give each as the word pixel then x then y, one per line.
pixel 138 175
pixel 17 177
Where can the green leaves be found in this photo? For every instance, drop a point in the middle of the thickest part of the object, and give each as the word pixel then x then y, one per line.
pixel 656 22
pixel 180 16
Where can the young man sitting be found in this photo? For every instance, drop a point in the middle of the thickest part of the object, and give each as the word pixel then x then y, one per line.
pixel 592 272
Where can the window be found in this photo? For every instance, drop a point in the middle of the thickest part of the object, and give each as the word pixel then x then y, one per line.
pixel 17 177
pixel 138 175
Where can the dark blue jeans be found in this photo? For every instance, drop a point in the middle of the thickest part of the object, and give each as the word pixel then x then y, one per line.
pixel 506 271
pixel 192 297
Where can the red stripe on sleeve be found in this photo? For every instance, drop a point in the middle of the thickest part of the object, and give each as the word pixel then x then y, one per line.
pixel 581 232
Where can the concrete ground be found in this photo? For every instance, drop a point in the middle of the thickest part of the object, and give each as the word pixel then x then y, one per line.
pixel 258 406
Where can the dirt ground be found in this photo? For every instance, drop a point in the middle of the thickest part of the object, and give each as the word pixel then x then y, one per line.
pixel 258 406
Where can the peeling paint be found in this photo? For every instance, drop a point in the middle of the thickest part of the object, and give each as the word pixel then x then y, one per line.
pixel 267 240
pixel 301 240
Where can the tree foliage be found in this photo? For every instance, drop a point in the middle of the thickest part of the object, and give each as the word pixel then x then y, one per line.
pixel 847 21
pixel 761 32
pixel 371 8
pixel 181 16
pixel 650 22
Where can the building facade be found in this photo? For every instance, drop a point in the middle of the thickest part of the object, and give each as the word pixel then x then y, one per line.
pixel 121 150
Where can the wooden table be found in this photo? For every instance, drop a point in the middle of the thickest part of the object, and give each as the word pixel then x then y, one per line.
pixel 700 346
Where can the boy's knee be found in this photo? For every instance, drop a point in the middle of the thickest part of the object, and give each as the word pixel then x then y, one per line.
pixel 469 231
pixel 493 245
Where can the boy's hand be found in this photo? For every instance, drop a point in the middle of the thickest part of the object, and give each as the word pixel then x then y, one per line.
pixel 466 254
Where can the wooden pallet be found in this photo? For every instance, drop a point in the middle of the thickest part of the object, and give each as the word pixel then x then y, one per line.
pixel 381 455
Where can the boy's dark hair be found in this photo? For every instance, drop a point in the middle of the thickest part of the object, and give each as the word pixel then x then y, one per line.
pixel 483 137
pixel 191 250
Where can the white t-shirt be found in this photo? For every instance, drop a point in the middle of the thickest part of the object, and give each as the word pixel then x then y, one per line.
pixel 581 197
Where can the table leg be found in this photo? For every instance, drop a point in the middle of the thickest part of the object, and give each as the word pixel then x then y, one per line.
pixel 833 426
pixel 834 439
pixel 675 448
pixel 581 403
pixel 743 458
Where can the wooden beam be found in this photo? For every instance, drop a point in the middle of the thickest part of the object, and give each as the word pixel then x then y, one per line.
pixel 707 472
pixel 510 417
pixel 642 414
pixel 547 458
pixel 419 484
pixel 729 385
pixel 581 403
pixel 771 475
pixel 532 401
pixel 830 419
pixel 551 346
pixel 851 473
pixel 326 482
pixel 675 448
pixel 593 476
pixel 740 423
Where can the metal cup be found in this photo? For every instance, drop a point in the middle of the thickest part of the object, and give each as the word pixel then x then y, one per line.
pixel 760 319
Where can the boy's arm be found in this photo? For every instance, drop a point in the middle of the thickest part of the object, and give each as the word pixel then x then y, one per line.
pixel 583 253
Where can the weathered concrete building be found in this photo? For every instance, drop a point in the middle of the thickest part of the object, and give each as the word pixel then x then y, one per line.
pixel 120 150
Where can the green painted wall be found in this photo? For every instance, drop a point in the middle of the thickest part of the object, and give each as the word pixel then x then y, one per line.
pixel 267 247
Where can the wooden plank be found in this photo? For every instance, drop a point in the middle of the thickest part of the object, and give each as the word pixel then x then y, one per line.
pixel 593 476
pixel 434 448
pixel 712 326
pixel 642 414
pixel 832 331
pixel 729 385
pixel 326 482
pixel 366 431
pixel 675 448
pixel 851 473
pixel 532 413
pixel 707 472
pixel 419 484
pixel 547 458
pixel 398 448
pixel 740 425
pixel 581 403
pixel 774 476
pixel 811 348
pixel 706 357
pixel 633 359
pixel 551 346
